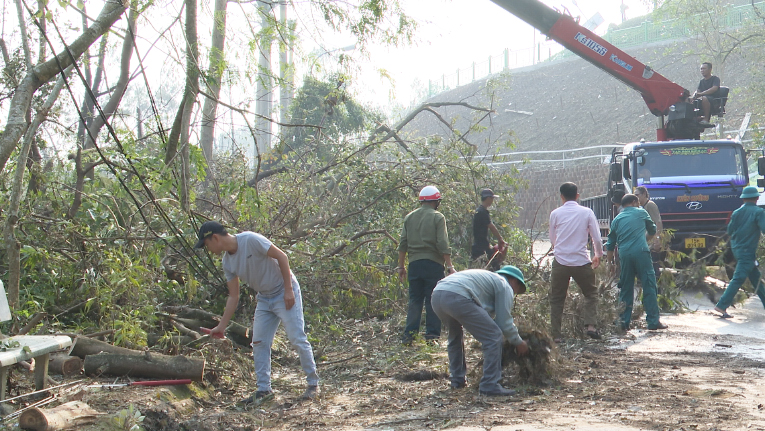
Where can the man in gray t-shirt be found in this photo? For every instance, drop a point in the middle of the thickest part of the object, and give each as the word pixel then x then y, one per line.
pixel 251 258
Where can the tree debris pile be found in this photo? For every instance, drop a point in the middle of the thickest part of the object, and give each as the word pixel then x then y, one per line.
pixel 533 367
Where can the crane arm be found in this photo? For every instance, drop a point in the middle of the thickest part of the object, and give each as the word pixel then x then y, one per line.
pixel 658 92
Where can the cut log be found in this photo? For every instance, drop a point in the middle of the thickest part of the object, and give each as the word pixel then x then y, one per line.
pixel 70 415
pixel 84 346
pixel 64 365
pixel 150 365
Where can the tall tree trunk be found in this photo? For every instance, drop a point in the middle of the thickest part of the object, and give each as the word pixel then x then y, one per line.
pixel 214 73
pixel 24 36
pixel 88 103
pixel 86 108
pixel 139 123
pixel 44 72
pixel 41 53
pixel 264 86
pixel 13 246
pixel 122 82
pixel 98 121
pixel 189 98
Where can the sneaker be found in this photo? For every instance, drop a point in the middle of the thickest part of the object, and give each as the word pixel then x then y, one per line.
pixel 659 326
pixel 500 392
pixel 311 392
pixel 258 397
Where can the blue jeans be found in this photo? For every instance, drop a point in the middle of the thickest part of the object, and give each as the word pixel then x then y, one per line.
pixel 638 264
pixel 424 274
pixel 745 268
pixel 268 313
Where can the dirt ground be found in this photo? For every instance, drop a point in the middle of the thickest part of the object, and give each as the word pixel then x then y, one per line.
pixel 701 374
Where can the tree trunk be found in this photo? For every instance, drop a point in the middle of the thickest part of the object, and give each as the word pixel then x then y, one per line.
pixel 44 72
pixel 175 132
pixel 149 365
pixel 97 122
pixel 264 86
pixel 122 82
pixel 286 72
pixel 214 73
pixel 24 35
pixel 42 48
pixel 13 246
pixel 66 416
pixel 190 97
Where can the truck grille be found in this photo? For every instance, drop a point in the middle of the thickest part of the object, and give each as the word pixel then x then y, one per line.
pixel 698 222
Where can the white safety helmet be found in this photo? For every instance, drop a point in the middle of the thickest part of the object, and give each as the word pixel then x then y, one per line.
pixel 430 193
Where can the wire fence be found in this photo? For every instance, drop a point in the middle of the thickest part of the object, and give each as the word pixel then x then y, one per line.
pixel 646 32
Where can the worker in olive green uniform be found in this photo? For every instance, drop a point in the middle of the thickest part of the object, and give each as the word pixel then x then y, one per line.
pixel 425 238
pixel 628 231
pixel 744 229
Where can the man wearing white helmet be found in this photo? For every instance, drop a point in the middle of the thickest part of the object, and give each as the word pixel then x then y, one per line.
pixel 425 238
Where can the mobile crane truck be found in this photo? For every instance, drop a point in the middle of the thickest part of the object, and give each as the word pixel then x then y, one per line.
pixel 696 184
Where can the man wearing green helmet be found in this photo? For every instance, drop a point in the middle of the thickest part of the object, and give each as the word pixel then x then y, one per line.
pixel 468 299
pixel 745 226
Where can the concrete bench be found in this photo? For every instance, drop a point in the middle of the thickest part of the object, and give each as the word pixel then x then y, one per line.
pixel 39 349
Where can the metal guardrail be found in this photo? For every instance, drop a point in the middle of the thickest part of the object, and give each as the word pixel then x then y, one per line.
pixel 561 155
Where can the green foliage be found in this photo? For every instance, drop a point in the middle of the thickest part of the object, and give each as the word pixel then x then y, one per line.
pixel 128 419
pixel 332 116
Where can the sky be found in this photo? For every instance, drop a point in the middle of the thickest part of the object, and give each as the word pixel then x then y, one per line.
pixel 454 33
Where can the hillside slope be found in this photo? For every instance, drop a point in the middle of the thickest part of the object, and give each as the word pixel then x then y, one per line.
pixel 574 104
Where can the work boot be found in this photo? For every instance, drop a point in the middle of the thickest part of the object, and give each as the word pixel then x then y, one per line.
pixel 659 326
pixel 311 392
pixel 499 392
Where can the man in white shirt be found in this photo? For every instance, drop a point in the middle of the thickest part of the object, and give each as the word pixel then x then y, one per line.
pixel 253 259
pixel 570 227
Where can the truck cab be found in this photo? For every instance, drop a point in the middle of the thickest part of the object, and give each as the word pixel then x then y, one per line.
pixel 695 184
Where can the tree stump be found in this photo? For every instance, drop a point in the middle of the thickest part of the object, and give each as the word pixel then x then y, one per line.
pixel 69 415
pixel 149 365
